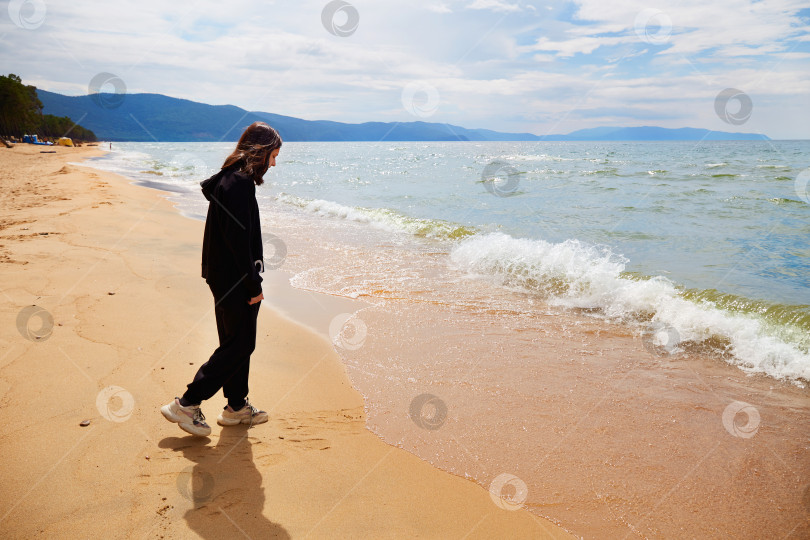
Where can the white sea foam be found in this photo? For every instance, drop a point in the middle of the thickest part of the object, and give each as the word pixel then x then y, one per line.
pixel 381 218
pixel 574 274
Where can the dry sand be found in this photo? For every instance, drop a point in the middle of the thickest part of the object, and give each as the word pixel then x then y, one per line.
pixel 117 268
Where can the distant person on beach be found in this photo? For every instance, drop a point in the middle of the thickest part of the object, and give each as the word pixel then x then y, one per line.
pixel 232 260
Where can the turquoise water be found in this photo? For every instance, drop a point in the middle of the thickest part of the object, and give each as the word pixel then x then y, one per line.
pixel 710 238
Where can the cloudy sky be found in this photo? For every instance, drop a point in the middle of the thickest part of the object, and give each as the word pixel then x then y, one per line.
pixel 508 65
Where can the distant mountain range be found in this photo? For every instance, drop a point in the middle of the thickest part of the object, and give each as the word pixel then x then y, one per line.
pixel 155 117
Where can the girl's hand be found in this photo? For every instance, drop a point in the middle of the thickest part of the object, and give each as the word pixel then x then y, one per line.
pixel 256 299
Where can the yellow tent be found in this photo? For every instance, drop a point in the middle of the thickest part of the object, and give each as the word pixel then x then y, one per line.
pixel 65 141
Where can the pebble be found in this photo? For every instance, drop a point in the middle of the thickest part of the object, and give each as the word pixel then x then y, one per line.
pixel 84 423
pixel 111 293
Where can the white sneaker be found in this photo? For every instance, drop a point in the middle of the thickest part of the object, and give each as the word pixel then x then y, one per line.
pixel 191 419
pixel 246 415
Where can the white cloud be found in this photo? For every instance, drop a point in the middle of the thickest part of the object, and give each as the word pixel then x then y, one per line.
pixel 579 45
pixel 494 5
pixel 726 26
pixel 535 71
pixel 439 8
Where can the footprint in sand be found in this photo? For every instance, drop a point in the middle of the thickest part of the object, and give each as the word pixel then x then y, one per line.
pixel 270 460
pixel 311 444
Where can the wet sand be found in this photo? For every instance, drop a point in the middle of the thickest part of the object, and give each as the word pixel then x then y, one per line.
pixel 610 440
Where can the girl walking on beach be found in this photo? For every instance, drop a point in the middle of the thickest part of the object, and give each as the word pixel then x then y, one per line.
pixel 232 260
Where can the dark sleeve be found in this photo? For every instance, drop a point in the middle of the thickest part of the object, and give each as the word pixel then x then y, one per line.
pixel 236 222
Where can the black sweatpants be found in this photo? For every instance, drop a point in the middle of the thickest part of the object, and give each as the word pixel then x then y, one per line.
pixel 229 366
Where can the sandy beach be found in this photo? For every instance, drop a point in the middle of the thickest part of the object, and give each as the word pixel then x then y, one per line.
pixel 122 320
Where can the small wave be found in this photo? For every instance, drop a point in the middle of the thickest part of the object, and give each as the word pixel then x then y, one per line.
pixel 635 235
pixel 576 275
pixel 532 157
pixel 727 175
pixel 795 319
pixel 610 171
pixel 715 165
pixel 383 218
pixel 781 200
pixel 527 157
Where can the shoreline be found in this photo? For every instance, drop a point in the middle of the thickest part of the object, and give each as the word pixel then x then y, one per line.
pixel 764 332
pixel 599 427
pixel 117 271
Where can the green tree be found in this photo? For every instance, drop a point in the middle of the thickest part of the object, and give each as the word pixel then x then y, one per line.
pixel 19 106
pixel 21 113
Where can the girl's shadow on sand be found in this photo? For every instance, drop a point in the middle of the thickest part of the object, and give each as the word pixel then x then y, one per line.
pixel 224 485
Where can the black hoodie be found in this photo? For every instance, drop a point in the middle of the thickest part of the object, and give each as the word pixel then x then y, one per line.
pixel 232 242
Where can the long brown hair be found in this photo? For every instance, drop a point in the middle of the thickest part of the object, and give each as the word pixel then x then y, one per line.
pixel 252 154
